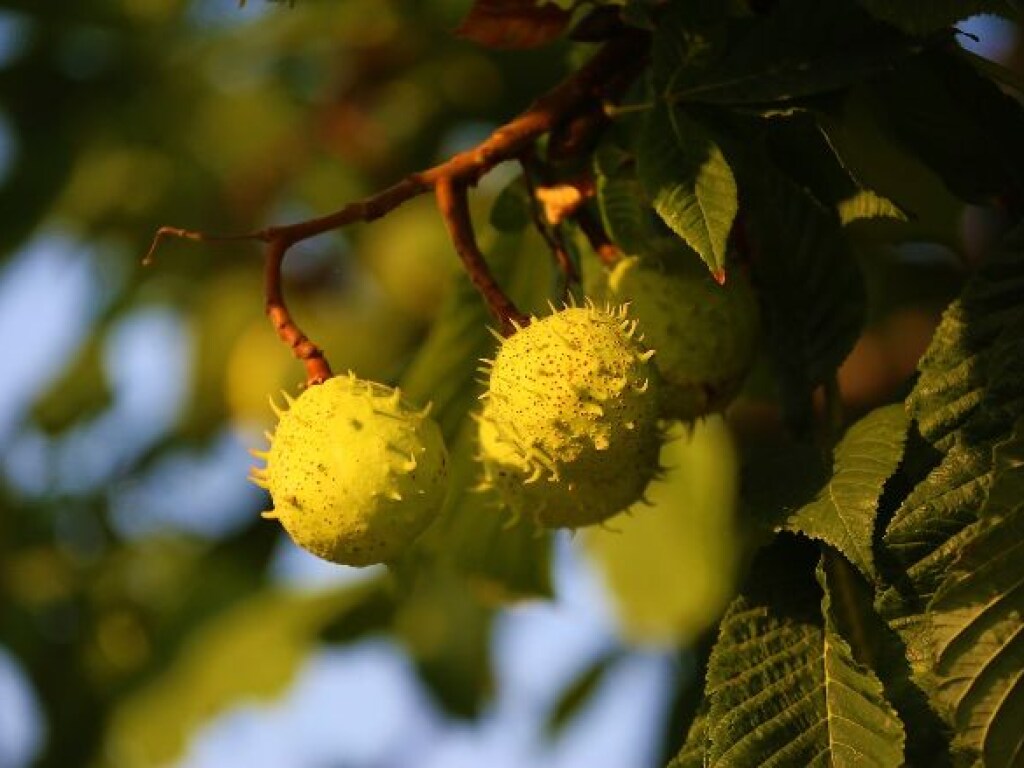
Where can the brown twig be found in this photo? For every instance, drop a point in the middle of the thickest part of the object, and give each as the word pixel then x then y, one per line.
pixel 187 234
pixel 599 79
pixel 453 204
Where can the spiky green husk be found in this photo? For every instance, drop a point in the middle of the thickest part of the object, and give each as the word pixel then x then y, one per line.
pixel 706 334
pixel 355 472
pixel 569 432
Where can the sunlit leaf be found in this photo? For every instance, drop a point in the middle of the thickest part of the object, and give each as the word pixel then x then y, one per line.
pixel 843 513
pixel 975 619
pixel 689 182
pixel 783 684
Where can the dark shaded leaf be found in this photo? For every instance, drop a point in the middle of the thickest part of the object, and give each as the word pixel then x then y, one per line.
pixel 691 755
pixel 810 286
pixel 577 695
pixel 800 147
pixel 919 17
pixel 625 210
pixel 800 48
pixel 471 534
pixel 511 209
pixel 959 122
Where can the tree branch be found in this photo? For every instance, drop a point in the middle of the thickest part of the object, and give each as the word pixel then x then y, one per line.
pixel 601 78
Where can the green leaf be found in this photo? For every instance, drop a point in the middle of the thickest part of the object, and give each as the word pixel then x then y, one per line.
pixel 783 686
pixel 685 174
pixel 687 536
pixel 922 539
pixel 959 122
pixel 810 285
pixel 799 145
pixel 79 393
pixel 919 17
pixel 951 552
pixel 970 374
pixel 867 204
pixel 471 533
pixel 625 210
pixel 975 619
pixel 249 652
pixel 691 755
pixel 576 696
pixel 800 48
pixel 857 134
pixel 966 399
pixel 511 209
pixel 863 724
pixel 843 513
pixel 446 628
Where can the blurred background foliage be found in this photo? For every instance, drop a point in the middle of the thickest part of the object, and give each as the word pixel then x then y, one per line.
pixel 142 599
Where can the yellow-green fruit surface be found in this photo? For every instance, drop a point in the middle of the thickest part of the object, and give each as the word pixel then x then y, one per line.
pixel 355 472
pixel 706 334
pixel 569 433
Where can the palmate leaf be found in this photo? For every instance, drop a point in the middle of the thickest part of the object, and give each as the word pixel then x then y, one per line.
pixel 923 537
pixel 783 686
pixel 970 373
pixel 958 122
pixel 689 181
pixel 966 400
pixel 920 17
pixel 801 47
pixel 843 513
pixel 975 620
pixel 949 556
pixel 811 287
pixel 798 144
